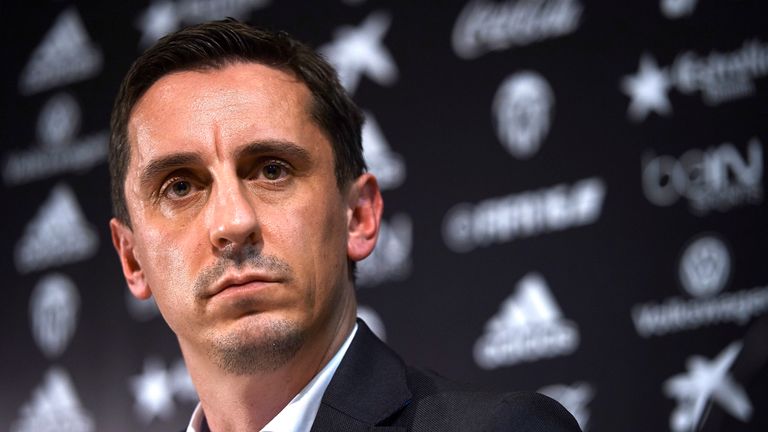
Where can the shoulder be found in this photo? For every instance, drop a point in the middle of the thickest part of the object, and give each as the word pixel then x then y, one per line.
pixel 441 404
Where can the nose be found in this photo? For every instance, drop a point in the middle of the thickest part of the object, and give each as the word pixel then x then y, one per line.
pixel 234 222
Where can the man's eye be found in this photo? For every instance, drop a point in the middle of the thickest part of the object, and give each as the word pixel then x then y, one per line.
pixel 178 189
pixel 273 171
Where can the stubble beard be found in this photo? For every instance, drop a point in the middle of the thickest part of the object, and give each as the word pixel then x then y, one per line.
pixel 257 350
pixel 260 344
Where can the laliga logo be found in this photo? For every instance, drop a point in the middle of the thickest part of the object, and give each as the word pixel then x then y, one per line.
pixel 705 266
pixel 522 109
pixel 53 310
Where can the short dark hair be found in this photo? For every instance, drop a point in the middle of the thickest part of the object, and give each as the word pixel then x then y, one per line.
pixel 216 44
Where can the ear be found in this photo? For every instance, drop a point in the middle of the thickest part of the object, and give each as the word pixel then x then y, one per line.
pixel 364 216
pixel 122 239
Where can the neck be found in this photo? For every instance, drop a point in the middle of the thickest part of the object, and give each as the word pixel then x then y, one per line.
pixel 234 403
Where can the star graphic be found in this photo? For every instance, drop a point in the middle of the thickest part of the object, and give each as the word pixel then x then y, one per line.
pixel 707 379
pixel 153 391
pixel 358 51
pixel 647 89
pixel 158 20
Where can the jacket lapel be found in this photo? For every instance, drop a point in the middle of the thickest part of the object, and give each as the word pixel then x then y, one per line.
pixel 368 388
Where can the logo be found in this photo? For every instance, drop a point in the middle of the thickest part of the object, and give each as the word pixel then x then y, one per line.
pixel 154 389
pixel 53 308
pixel 58 148
pixel 59 234
pixel 704 268
pixel 673 9
pixel 575 398
pixel 707 380
pixel 358 51
pixel 522 108
pixel 65 55
pixel 373 320
pixel 54 407
pixel 165 16
pixel 528 327
pixel 719 77
pixel 484 26
pixel 527 214
pixel 717 178
pixel 387 165
pixel 391 259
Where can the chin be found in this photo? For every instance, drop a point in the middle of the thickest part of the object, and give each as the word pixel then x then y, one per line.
pixel 257 344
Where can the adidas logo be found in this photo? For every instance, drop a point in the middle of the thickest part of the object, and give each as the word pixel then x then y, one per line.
pixel 387 165
pixel 391 260
pixel 54 407
pixel 65 55
pixel 59 234
pixel 529 326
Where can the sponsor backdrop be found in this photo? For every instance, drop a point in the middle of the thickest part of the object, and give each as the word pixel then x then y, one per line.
pixel 574 204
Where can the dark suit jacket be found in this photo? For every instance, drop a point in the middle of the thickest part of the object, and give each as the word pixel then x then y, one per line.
pixel 373 390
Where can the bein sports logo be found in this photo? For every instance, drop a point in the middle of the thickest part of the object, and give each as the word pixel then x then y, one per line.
pixel 717 178
pixel 529 326
pixel 522 110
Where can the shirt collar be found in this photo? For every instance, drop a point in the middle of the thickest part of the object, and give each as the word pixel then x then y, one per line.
pixel 301 411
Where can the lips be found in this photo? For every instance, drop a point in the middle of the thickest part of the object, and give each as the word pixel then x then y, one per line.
pixel 233 282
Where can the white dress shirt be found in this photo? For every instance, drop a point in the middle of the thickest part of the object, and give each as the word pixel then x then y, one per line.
pixel 300 412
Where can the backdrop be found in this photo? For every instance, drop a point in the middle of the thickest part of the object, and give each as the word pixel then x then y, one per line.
pixel 574 204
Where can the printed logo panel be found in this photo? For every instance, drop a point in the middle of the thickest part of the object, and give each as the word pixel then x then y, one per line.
pixel 54 406
pixel 522 109
pixel 504 219
pixel 165 16
pixel 57 235
pixel 717 178
pixel 719 77
pixel 391 259
pixel 53 310
pixel 484 26
pixel 59 150
pixel 707 381
pixel 359 51
pixel 66 55
pixel 528 327
pixel 155 388
pixel 703 271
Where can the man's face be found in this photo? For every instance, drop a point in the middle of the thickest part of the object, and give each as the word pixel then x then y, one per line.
pixel 239 228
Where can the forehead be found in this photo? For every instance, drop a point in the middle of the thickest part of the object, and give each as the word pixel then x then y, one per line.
pixel 219 105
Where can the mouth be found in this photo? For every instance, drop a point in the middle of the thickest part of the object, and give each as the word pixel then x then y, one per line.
pixel 241 283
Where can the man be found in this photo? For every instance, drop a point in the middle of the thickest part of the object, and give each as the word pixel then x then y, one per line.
pixel 241 204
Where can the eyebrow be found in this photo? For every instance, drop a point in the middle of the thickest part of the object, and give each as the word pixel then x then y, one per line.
pixel 280 148
pixel 174 161
pixel 167 163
